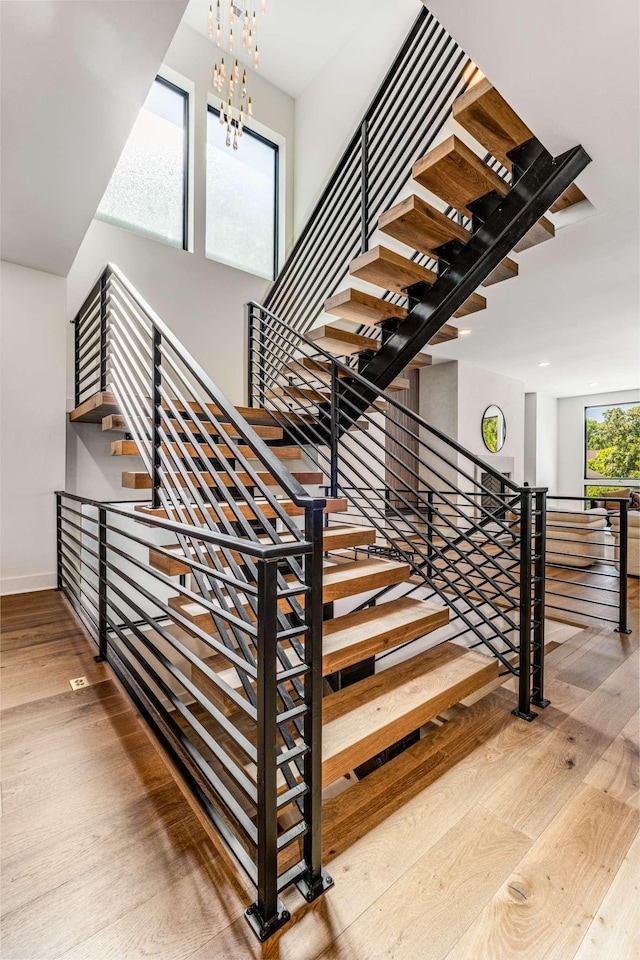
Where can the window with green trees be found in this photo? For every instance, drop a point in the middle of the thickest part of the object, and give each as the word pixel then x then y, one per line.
pixel 612 442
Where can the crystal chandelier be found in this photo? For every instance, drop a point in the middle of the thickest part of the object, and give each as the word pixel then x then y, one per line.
pixel 233 25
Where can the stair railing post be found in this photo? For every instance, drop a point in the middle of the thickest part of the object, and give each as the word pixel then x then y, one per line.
pixel 103 332
pixel 315 880
pixel 102 586
pixel 623 568
pixel 59 541
pixel 156 401
pixel 76 363
pixel 364 186
pixel 523 710
pixel 334 440
pixel 261 364
pixel 250 333
pixel 539 597
pixel 267 914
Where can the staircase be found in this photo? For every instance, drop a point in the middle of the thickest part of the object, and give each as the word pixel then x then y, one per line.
pixel 319 575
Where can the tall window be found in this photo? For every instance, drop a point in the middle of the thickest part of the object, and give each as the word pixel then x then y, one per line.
pixel 612 445
pixel 148 189
pixel 242 200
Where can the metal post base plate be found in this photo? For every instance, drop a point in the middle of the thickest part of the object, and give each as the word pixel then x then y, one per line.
pixel 525 716
pixel 541 702
pixel 311 891
pixel 100 659
pixel 263 929
pixel 627 631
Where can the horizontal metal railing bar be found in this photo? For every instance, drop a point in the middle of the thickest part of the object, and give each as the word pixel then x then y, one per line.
pixel 290 836
pixel 260 551
pixel 583 613
pixel 291 796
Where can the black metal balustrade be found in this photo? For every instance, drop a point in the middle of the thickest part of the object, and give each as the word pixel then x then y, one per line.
pixel 587 563
pixel 402 122
pixel 255 577
pixel 423 493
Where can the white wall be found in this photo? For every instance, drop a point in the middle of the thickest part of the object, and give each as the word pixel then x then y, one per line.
pixel 541 441
pixel 571 436
pixel 477 390
pixel 32 424
pixel 332 106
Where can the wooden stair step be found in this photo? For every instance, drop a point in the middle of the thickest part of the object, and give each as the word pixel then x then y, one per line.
pixel 390 270
pixel 115 421
pixel 487 116
pixel 200 616
pixel 453 172
pixel 129 448
pixel 321 370
pixel 362 307
pixel 363 719
pixel 100 405
pixel 291 392
pixel 333 505
pixel 333 538
pixel 504 271
pixel 420 226
pixel 364 633
pixel 141 480
pixel 342 343
pixel 359 576
pixel 419 361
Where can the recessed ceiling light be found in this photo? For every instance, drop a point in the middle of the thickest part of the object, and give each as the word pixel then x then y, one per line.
pixel 594 384
pixel 544 363
pixel 464 333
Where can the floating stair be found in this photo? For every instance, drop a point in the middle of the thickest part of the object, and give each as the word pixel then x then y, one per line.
pixel 333 505
pixel 342 343
pixel 129 448
pixel 321 370
pixel 140 480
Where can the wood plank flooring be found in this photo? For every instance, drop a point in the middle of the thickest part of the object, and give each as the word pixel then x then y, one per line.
pixel 492 839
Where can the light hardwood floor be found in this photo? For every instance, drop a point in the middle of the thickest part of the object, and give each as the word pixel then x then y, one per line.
pixel 495 839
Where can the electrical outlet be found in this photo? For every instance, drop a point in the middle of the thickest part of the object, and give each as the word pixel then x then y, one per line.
pixel 79 683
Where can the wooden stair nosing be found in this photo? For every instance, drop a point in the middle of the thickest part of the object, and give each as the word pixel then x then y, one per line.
pixel 361 634
pixel 129 448
pixel 487 116
pixel 457 175
pixel 363 719
pixel 99 405
pixel 333 538
pixel 333 505
pixel 140 480
pixel 341 342
pixel 360 576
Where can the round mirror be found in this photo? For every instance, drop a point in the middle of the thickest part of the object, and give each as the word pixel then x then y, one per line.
pixel 494 429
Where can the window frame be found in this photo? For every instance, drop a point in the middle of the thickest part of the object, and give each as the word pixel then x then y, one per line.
pixel 276 191
pixel 186 161
pixel 604 481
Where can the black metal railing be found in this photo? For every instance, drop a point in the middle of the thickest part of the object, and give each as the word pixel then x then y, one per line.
pixel 256 595
pixel 404 119
pixel 587 562
pixel 479 552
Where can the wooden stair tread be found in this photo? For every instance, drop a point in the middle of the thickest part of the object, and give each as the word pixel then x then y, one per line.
pixel 362 307
pixel 115 421
pixel 420 226
pixel 504 271
pixel 419 361
pixel 539 232
pixel 99 405
pixel 333 538
pixel 341 342
pixel 363 633
pixel 129 448
pixel 141 480
pixel 333 505
pixel 390 270
pixel 487 116
pixel 369 716
pixel 360 576
pixel 453 172
pixel 571 196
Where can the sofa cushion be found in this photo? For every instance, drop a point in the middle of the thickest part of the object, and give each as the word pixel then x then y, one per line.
pixel 595 517
pixel 616 495
pixel 633 518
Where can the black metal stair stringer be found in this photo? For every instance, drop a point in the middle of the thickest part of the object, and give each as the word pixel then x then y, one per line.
pixel 539 186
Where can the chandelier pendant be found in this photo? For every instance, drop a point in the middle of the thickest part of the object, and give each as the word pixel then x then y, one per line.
pixel 234 29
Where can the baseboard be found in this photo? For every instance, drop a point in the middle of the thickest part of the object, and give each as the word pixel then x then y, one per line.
pixel 40 581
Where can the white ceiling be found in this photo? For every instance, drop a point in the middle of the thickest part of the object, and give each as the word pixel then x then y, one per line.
pixel 74 76
pixel 297 38
pixel 571 70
